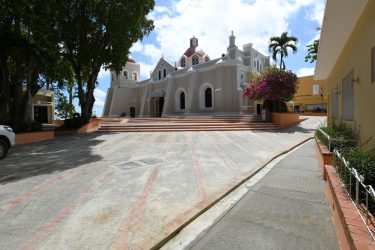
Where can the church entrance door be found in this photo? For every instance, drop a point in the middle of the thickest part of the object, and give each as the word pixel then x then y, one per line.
pixel 157 104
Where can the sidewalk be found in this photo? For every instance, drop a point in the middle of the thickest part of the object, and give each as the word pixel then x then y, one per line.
pixel 287 209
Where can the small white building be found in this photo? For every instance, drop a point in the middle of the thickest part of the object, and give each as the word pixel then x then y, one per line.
pixel 196 84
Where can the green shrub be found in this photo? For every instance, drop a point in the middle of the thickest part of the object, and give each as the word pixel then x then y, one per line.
pixel 36 126
pixel 342 136
pixel 75 122
pixel 363 161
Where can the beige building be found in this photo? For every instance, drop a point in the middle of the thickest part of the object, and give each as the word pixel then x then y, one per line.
pixel 311 96
pixel 196 84
pixel 346 60
pixel 42 106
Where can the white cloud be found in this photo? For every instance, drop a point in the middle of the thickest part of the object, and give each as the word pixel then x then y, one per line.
pixel 103 73
pixel 99 101
pixel 317 12
pixel 212 21
pixel 137 47
pixel 305 72
pixel 145 69
pixel 151 51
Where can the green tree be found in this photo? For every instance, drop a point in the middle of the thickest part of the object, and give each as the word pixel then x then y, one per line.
pixel 64 108
pixel 28 47
pixel 312 50
pixel 279 45
pixel 96 33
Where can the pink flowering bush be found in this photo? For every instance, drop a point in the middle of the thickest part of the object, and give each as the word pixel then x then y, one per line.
pixel 272 86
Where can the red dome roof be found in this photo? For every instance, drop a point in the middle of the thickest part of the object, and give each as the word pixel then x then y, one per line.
pixel 131 59
pixel 190 51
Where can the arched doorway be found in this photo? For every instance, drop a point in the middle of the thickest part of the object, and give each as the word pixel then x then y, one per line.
pixel 208 98
pixel 157 102
pixel 182 100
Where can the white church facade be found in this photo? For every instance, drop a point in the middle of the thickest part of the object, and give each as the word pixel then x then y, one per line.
pixel 196 84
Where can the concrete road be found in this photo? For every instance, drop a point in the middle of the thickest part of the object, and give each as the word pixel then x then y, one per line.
pixel 287 209
pixel 124 190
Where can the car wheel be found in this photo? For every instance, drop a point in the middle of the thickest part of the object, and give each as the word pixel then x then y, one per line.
pixel 3 149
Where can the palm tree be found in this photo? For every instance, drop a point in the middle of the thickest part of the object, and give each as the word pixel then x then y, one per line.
pixel 280 45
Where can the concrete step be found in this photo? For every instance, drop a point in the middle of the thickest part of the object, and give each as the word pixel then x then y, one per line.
pixel 187 123
pixel 185 129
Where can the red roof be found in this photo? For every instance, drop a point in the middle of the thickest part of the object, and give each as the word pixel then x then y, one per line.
pixel 190 51
pixel 131 59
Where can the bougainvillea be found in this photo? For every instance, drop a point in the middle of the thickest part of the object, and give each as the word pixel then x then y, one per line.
pixel 273 84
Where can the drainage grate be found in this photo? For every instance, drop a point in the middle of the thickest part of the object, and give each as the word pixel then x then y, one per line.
pixel 129 165
pixel 151 160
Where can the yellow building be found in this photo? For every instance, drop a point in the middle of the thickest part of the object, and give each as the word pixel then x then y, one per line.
pixel 346 60
pixel 310 96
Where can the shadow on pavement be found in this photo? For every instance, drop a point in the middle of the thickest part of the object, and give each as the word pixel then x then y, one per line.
pixel 51 156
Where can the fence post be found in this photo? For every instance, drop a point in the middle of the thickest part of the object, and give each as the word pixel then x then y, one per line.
pixel 366 207
pixel 356 191
pixel 329 144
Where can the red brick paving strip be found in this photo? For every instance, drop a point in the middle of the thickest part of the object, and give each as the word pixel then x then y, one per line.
pixel 197 168
pixel 133 220
pixel 234 167
pixel 47 228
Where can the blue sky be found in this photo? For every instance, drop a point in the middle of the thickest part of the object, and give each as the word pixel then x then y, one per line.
pixel 211 21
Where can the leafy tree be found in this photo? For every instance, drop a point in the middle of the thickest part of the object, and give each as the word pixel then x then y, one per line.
pixel 273 86
pixel 96 33
pixel 280 45
pixel 28 47
pixel 312 50
pixel 64 108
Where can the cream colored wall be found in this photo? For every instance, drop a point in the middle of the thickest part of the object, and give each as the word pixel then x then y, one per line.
pixel 304 95
pixel 122 99
pixel 43 98
pixel 356 56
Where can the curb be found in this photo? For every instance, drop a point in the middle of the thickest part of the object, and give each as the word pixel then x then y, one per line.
pixel 177 230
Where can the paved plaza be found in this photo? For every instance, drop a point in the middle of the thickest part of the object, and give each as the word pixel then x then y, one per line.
pixel 125 190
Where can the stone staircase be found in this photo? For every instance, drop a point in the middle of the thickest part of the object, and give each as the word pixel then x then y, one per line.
pixel 185 123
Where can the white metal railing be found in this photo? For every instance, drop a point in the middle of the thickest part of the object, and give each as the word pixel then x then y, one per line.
pixel 343 168
pixel 335 141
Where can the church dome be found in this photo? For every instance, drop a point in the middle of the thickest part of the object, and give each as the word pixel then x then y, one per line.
pixel 193 55
pixel 190 51
pixel 131 59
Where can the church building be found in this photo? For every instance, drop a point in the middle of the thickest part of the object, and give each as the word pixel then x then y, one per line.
pixel 196 84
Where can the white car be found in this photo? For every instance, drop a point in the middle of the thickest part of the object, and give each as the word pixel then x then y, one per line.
pixel 7 139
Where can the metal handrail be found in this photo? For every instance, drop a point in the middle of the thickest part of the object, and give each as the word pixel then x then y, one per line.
pixel 331 139
pixel 359 181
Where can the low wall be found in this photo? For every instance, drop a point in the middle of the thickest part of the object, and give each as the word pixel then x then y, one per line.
pixel 350 229
pixel 284 120
pixel 324 157
pixel 23 138
pixel 59 122
pixel 313 114
pixel 92 126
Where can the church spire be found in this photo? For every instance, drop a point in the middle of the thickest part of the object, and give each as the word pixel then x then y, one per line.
pixel 194 42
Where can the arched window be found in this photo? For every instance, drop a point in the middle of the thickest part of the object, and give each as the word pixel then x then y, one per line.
pixel 165 73
pixel 183 62
pixel 206 59
pixel 182 100
pixel 125 74
pixel 208 98
pixel 135 77
pixel 194 60
pixel 258 65
pixel 159 74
